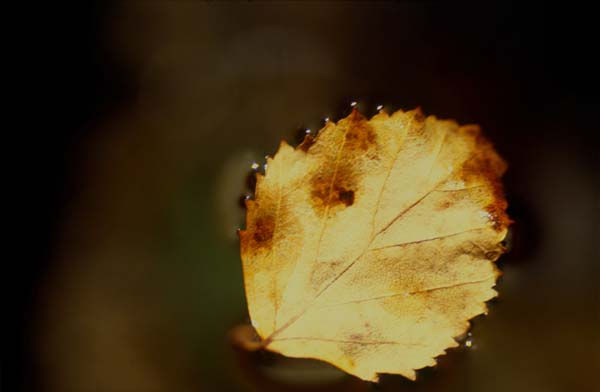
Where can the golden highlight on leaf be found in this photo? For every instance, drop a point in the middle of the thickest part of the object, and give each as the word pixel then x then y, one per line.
pixel 371 245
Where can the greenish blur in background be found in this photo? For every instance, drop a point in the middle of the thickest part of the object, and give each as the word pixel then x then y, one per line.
pixel 141 282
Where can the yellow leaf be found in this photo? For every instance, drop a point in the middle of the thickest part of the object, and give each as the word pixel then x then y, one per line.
pixel 372 245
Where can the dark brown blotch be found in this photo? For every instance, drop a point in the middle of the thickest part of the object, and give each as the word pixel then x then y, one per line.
pixel 263 232
pixel 346 196
pixel 331 189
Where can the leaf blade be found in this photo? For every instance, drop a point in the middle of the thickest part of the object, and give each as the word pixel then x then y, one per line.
pixel 383 215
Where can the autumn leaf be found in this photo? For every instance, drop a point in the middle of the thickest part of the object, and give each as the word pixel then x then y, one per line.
pixel 371 245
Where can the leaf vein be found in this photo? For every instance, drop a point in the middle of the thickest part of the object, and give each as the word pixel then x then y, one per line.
pixel 428 239
pixel 408 293
pixel 349 341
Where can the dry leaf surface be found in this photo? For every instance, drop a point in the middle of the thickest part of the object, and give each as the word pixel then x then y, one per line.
pixel 372 245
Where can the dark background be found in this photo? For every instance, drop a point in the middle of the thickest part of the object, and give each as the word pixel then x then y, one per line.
pixel 143 119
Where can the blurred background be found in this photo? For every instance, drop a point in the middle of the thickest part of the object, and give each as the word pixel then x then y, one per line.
pixel 145 117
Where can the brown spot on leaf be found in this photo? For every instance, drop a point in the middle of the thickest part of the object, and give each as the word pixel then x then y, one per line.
pixel 263 231
pixel 332 188
pixel 485 166
pixel 346 196
pixel 267 222
pixel 335 184
pixel 360 135
pixel 484 162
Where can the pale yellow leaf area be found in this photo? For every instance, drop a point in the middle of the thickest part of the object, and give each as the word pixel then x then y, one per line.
pixel 371 245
